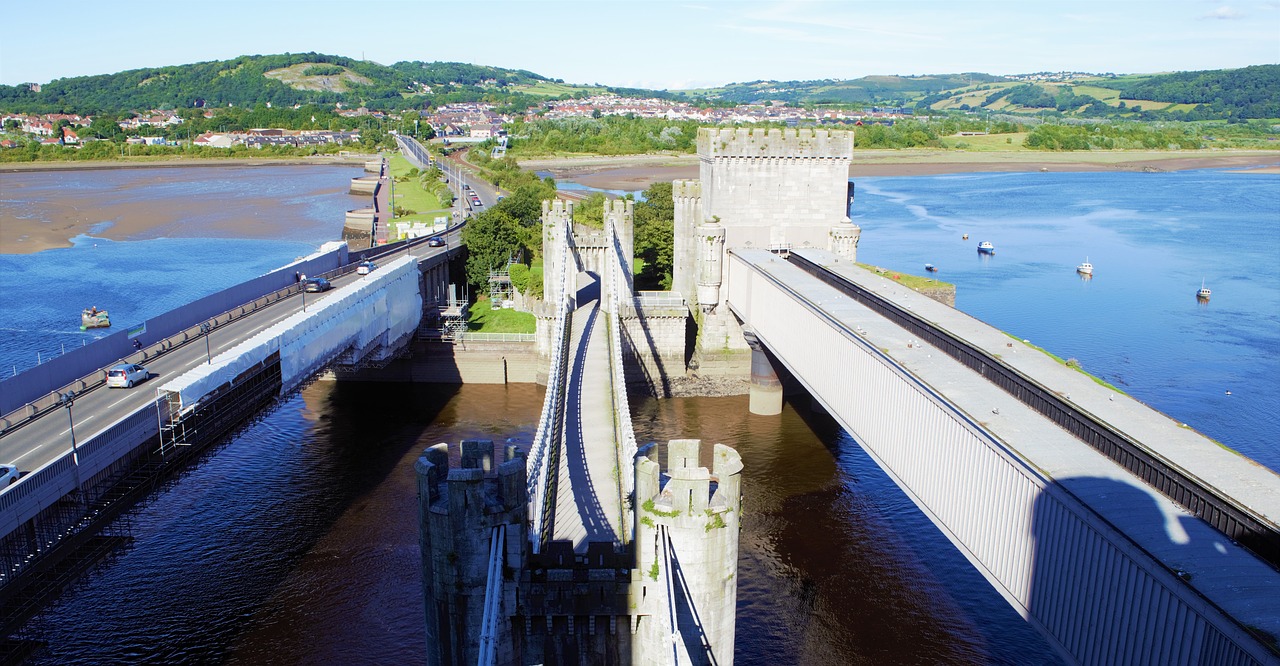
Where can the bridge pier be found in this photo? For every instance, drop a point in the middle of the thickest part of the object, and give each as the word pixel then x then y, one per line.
pixel 764 395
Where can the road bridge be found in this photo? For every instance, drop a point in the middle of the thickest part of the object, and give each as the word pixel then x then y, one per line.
pixel 77 443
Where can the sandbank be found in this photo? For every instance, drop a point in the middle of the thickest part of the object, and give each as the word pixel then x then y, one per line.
pixel 42 222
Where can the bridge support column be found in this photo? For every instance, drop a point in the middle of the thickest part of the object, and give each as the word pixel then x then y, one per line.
pixel 765 392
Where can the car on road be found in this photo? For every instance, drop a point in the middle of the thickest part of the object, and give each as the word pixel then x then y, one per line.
pixel 126 375
pixel 314 285
pixel 435 241
pixel 8 475
pixel 365 267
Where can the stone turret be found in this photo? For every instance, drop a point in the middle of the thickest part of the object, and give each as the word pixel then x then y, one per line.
pixel 557 215
pixel 687 525
pixel 459 509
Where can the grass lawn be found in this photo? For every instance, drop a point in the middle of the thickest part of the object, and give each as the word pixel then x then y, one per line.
pixel 482 318
pixel 987 142
pixel 906 279
pixel 409 193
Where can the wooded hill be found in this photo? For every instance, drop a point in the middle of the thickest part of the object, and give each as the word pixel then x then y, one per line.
pixel 278 80
pixel 313 78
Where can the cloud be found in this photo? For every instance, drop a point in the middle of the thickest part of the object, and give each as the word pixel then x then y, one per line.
pixel 1223 12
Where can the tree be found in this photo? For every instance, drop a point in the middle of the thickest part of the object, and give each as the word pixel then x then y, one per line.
pixel 654 237
pixel 492 238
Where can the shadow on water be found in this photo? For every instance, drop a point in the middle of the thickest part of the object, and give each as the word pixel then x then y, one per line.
pixel 214 554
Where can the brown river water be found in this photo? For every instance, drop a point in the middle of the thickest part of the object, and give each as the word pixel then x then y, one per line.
pixel 295 542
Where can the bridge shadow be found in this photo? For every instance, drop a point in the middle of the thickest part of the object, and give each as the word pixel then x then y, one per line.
pixel 586 500
pixel 1085 591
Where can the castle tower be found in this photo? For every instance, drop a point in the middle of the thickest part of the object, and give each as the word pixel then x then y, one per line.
pixel 686 583
pixel 459 510
pixel 619 216
pixel 557 216
pixel 767 189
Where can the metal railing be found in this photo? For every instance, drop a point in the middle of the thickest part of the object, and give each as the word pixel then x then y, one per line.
pixel 616 278
pixel 546 441
pixel 492 598
pixel 470 336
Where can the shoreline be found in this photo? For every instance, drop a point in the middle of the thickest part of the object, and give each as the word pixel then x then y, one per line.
pixel 94 165
pixel 636 172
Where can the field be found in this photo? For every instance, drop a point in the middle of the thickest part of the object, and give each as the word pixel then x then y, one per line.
pixel 409 195
pixel 294 78
pixel 552 89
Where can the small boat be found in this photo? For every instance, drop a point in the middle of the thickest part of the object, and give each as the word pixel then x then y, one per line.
pixel 986 247
pixel 1086 268
pixel 965 237
pixel 94 318
pixel 1203 292
pixel 931 268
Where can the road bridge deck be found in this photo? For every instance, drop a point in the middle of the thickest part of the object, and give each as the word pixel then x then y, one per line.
pixel 1200 556
pixel 587 502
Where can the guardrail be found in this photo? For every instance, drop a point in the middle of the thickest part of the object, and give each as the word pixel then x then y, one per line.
pixel 546 440
pixel 470 336
pixel 615 277
pixel 37 408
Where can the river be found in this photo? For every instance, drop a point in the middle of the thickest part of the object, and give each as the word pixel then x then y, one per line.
pixel 295 541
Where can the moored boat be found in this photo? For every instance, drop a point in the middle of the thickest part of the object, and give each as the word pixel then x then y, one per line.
pixel 986 247
pixel 931 268
pixel 92 317
pixel 1085 268
pixel 1203 292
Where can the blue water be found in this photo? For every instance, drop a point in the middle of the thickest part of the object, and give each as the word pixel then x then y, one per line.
pixel 1152 238
pixel 190 253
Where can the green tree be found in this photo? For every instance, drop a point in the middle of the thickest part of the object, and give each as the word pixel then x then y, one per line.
pixel 654 237
pixel 492 238
pixel 590 212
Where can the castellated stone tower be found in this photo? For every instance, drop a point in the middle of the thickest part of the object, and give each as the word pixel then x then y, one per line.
pixel 459 509
pixel 556 215
pixel 686 550
pixel 766 189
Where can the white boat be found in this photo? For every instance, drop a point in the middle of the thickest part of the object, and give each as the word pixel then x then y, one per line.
pixel 1203 292
pixel 986 247
pixel 1086 268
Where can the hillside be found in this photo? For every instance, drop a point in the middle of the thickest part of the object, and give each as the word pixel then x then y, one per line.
pixel 312 78
pixel 278 80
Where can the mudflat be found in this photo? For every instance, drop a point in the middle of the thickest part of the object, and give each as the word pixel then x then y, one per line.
pixel 636 172
pixel 35 218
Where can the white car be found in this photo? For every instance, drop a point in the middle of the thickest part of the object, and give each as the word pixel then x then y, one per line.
pixel 8 475
pixel 126 375
pixel 365 267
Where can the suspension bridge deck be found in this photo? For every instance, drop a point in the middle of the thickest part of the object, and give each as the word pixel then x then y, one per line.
pixel 588 507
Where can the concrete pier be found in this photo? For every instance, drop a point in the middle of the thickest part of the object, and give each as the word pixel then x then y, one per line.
pixel 765 393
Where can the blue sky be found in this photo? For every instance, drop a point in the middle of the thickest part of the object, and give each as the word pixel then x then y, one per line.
pixel 661 43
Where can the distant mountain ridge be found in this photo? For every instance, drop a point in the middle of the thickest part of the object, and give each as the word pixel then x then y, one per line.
pixel 302 78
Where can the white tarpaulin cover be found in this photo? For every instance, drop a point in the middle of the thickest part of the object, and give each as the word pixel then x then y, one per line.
pixel 381 307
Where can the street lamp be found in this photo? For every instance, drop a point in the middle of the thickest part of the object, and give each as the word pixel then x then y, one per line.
pixel 66 400
pixel 205 327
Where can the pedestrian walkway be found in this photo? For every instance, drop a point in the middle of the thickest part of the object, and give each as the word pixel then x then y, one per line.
pixel 587 504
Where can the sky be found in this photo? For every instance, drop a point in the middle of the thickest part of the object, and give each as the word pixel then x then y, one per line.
pixel 663 44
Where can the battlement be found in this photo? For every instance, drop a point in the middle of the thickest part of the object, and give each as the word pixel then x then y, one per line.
pixel 557 209
pixel 688 497
pixel 686 189
pixel 621 207
pixel 753 142
pixel 476 491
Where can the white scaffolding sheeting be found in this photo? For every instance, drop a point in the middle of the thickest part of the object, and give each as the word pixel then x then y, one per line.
pixel 380 308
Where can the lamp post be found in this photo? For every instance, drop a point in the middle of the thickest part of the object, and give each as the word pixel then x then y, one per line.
pixel 205 327
pixel 66 400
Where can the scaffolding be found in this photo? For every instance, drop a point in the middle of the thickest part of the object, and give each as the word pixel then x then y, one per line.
pixel 500 291
pixel 453 320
